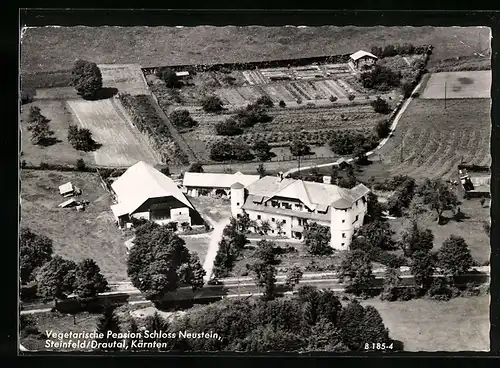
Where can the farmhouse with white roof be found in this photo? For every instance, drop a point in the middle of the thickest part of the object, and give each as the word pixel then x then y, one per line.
pixel 144 192
pixel 363 58
pixel 295 203
pixel 213 183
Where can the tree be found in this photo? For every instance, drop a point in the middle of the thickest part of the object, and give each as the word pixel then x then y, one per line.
pixel 325 336
pixel 265 100
pixel 241 151
pixel 392 281
pixel 39 127
pixel 221 151
pixel 80 165
pixel 156 323
pixel 265 268
pixel 267 338
pixel 265 226
pixel 357 268
pixel 415 239
pixel 81 139
pixel 454 256
pixel 293 276
pixel 225 258
pixel 373 326
pixel 159 262
pixel 261 170
pixel 168 76
pixel 383 129
pixel 88 279
pixel 262 150
pixel 56 278
pixel 133 329
pixel 34 251
pixel 86 77
pixel 317 239
pixel 438 197
pixel 211 104
pixel 196 167
pixel 378 234
pixel 108 324
pixel 380 106
pixel 422 267
pixel 228 127
pixel 165 171
pixel 299 148
pixel 282 104
pixel 335 174
pixel 351 324
pixel 380 78
pixel 182 119
pixel 374 211
pixel 279 227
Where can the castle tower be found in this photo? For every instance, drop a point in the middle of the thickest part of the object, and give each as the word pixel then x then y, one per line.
pixel 341 227
pixel 237 198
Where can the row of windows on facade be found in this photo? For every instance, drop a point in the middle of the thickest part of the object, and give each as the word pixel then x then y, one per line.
pixel 297 206
pixel 303 222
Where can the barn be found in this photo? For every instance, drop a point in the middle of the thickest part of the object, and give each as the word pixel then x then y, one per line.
pixel 214 184
pixel 143 192
pixel 362 59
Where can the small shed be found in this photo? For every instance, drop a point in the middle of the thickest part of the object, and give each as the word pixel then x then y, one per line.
pixel 360 58
pixel 66 189
pixel 69 203
pixel 183 74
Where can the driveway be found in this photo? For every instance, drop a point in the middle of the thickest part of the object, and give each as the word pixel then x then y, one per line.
pixel 213 247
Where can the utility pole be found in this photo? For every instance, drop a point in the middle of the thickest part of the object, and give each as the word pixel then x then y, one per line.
pixel 401 154
pixel 298 157
pixel 445 94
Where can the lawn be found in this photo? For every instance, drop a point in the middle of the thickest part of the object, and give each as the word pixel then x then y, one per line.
pixel 126 78
pixel 76 235
pixel 461 324
pixel 54 49
pixel 430 141
pixel 299 258
pixel 122 143
pixel 214 208
pixel 198 244
pixel 470 228
pixel 61 152
pixel 467 84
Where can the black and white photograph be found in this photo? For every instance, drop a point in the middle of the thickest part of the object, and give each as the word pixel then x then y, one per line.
pixel 254 189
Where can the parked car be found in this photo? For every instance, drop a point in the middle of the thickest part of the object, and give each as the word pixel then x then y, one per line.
pixel 214 282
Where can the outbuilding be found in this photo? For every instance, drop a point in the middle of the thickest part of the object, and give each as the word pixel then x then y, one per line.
pixel 363 58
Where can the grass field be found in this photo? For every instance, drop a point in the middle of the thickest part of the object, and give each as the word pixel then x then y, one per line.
pixel 433 140
pixel 52 49
pixel 464 63
pixel 61 152
pixel 467 84
pixel 197 244
pixel 461 324
pixel 122 144
pixel 127 78
pixel 470 228
pixel 76 235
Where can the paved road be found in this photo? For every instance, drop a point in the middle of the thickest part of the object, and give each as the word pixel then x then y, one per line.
pixel 381 144
pixel 213 247
pixel 237 287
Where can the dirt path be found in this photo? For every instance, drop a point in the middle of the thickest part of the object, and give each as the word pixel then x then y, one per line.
pixel 213 247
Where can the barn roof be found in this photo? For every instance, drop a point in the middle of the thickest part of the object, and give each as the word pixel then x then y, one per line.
pixel 214 180
pixel 141 182
pixel 360 54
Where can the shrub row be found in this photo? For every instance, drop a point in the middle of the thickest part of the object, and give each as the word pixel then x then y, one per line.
pixel 146 119
pixel 400 49
pixel 57 167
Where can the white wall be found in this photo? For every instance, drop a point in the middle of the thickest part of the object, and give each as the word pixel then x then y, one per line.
pixel 237 200
pixel 141 215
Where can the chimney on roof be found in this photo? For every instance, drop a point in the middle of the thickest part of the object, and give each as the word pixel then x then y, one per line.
pixel 327 179
pixel 280 176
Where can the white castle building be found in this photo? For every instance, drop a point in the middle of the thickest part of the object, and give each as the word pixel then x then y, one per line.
pixel 295 203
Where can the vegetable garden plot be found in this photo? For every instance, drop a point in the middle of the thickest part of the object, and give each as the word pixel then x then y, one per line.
pixel 122 143
pixel 278 93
